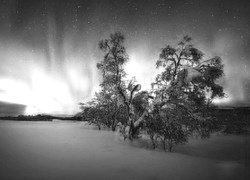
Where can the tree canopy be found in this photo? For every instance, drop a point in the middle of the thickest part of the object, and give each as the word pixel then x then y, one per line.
pixel 112 65
pixel 179 103
pixel 184 91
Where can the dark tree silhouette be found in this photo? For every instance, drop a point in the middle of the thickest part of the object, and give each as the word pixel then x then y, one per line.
pixel 184 91
pixel 112 68
pixel 181 96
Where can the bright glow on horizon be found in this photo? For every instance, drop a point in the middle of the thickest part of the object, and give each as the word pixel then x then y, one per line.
pixel 221 101
pixel 51 87
pixel 31 110
pixel 47 95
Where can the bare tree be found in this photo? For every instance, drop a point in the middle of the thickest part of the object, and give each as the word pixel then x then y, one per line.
pixel 184 91
pixel 112 68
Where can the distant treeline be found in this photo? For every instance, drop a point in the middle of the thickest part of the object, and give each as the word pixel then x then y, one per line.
pixel 233 119
pixel 39 118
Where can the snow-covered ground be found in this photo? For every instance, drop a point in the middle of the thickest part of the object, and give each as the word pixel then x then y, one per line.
pixel 72 150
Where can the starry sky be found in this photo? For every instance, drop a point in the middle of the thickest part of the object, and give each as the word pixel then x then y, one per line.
pixel 49 48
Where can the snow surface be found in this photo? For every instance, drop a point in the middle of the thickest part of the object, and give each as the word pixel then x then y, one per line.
pixel 73 150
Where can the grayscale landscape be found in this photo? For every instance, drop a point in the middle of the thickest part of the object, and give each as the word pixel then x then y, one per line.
pixel 124 89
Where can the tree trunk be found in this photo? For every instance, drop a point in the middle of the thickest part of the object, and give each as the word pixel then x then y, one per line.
pixel 170 146
pixel 133 127
pixel 153 140
pixel 164 144
pixel 98 124
pixel 113 125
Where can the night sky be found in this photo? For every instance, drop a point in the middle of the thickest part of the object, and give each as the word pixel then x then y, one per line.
pixel 49 49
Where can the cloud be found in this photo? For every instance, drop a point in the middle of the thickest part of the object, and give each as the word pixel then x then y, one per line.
pixel 11 109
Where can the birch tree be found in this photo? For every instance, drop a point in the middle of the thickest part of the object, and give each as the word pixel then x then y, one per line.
pixel 184 92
